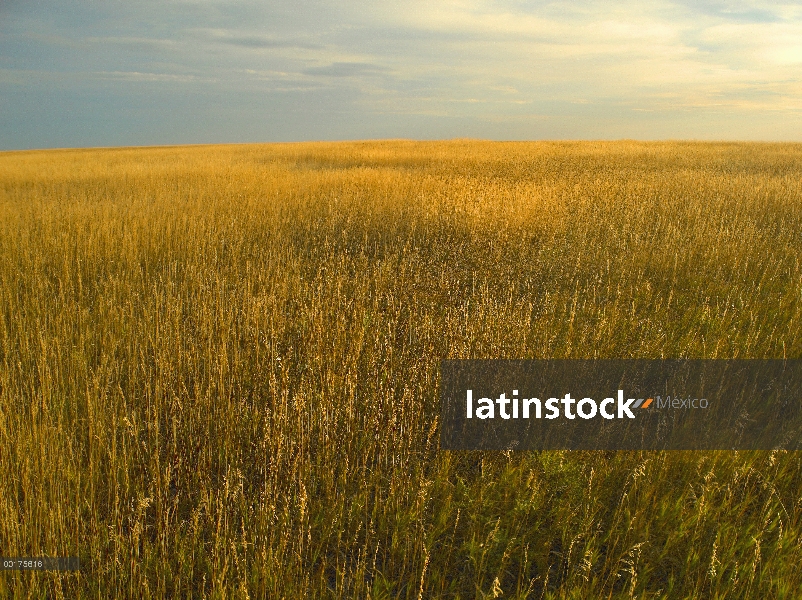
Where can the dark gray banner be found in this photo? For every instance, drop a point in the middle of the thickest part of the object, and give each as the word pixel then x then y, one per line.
pixel 621 404
pixel 40 563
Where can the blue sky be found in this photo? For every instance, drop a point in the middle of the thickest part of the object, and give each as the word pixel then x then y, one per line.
pixel 113 73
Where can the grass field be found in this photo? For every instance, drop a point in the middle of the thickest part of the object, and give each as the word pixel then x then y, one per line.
pixel 219 367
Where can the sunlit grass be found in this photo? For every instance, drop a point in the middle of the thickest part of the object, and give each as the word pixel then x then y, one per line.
pixel 219 366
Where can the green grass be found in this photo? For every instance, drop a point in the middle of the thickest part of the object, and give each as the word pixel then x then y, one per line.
pixel 219 367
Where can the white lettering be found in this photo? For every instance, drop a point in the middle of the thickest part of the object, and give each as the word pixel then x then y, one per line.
pixel 623 408
pixel 603 410
pixel 591 403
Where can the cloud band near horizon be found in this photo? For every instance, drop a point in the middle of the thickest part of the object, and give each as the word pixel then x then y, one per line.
pixel 107 74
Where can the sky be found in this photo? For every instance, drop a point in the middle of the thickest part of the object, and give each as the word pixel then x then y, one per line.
pixel 131 73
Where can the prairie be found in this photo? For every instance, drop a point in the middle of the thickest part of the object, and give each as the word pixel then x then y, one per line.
pixel 219 366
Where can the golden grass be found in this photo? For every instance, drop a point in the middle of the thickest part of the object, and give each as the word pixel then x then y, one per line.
pixel 219 366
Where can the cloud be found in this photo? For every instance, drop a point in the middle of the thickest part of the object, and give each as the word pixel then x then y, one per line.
pixel 711 54
pixel 137 76
pixel 245 39
pixel 767 43
pixel 465 62
pixel 136 43
pixel 347 69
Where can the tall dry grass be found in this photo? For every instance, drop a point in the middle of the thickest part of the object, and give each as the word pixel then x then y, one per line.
pixel 219 367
